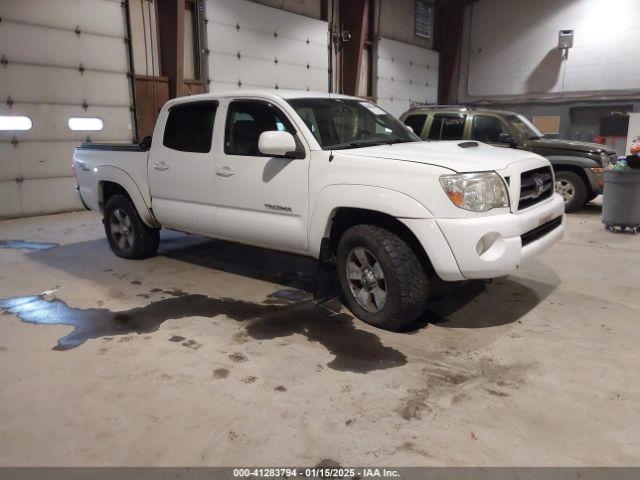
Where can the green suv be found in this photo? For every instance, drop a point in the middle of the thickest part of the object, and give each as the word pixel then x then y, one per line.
pixel 578 166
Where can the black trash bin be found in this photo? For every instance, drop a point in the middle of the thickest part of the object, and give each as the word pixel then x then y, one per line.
pixel 621 202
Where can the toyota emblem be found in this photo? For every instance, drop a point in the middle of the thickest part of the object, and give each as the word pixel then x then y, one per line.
pixel 539 185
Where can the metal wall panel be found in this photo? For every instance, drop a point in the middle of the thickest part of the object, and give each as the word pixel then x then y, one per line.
pixel 405 74
pixel 29 83
pixel 95 16
pixel 60 59
pixel 253 46
pixel 23 43
pixel 50 122
pixel 38 197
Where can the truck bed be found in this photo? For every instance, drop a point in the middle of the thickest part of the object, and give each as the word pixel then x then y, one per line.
pixel 122 163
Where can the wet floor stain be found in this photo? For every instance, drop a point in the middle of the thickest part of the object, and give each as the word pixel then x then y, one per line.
pixel 237 357
pixel 220 373
pixel 447 378
pixel 24 245
pixel 353 349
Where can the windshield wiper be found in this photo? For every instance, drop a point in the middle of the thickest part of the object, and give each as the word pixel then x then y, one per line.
pixel 362 144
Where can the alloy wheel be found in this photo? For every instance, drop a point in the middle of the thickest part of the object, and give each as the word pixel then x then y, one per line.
pixel 121 229
pixel 565 189
pixel 366 279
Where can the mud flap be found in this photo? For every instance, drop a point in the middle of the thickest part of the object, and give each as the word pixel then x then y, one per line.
pixel 325 283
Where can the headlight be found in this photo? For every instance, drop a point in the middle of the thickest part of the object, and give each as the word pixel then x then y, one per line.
pixel 604 158
pixel 478 192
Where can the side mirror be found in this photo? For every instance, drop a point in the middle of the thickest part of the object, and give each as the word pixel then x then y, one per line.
pixel 410 128
pixel 277 144
pixel 506 138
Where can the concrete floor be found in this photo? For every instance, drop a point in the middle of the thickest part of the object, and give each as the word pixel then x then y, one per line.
pixel 210 354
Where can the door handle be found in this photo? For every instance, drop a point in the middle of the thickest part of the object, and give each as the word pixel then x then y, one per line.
pixel 224 172
pixel 161 166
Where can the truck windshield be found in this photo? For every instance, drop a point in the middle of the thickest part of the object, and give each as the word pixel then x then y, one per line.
pixel 525 127
pixel 339 123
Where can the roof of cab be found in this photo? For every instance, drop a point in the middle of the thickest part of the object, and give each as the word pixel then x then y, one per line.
pixel 272 94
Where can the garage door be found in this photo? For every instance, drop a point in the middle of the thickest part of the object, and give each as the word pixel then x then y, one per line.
pixel 406 74
pixel 254 46
pixel 60 59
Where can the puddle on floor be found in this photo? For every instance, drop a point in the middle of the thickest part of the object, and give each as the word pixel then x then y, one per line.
pixel 292 312
pixel 24 245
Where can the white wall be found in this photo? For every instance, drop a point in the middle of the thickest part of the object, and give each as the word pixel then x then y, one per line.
pixel 405 74
pixel 510 49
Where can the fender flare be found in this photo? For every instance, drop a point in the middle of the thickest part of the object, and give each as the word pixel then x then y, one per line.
pixel 580 162
pixel 109 173
pixel 379 199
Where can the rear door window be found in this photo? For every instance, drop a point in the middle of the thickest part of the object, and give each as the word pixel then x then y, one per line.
pixel 416 122
pixel 447 127
pixel 189 127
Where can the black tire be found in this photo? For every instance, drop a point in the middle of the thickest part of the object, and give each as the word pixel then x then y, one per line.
pixel 406 282
pixel 592 196
pixel 575 189
pixel 142 241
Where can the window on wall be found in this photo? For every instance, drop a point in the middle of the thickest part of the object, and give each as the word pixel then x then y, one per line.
pixel 15 122
pixel 85 124
pixel 424 19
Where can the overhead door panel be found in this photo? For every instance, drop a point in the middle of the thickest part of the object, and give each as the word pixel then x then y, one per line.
pixel 93 16
pixel 35 83
pixel 405 74
pixel 45 46
pixel 252 45
pixel 59 59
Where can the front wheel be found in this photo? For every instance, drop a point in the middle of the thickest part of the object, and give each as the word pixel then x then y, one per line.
pixel 127 234
pixel 573 190
pixel 382 280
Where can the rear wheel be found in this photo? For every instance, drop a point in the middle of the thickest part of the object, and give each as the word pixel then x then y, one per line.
pixel 573 190
pixel 382 280
pixel 127 234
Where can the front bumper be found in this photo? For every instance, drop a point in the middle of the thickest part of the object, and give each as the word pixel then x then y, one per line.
pixel 489 246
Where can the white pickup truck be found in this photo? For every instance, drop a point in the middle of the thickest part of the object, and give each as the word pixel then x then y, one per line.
pixel 331 177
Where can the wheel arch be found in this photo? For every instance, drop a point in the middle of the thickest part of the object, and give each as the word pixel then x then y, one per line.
pixel 575 165
pixel 347 217
pixel 115 181
pixel 338 207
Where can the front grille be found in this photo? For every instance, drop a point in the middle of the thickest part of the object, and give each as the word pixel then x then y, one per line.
pixel 535 186
pixel 541 231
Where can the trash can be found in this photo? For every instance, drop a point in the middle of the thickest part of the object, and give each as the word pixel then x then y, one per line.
pixel 621 202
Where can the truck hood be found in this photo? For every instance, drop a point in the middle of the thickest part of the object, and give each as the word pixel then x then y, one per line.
pixel 568 146
pixel 447 154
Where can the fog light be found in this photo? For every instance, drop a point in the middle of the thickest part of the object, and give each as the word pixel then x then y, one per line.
pixel 491 246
